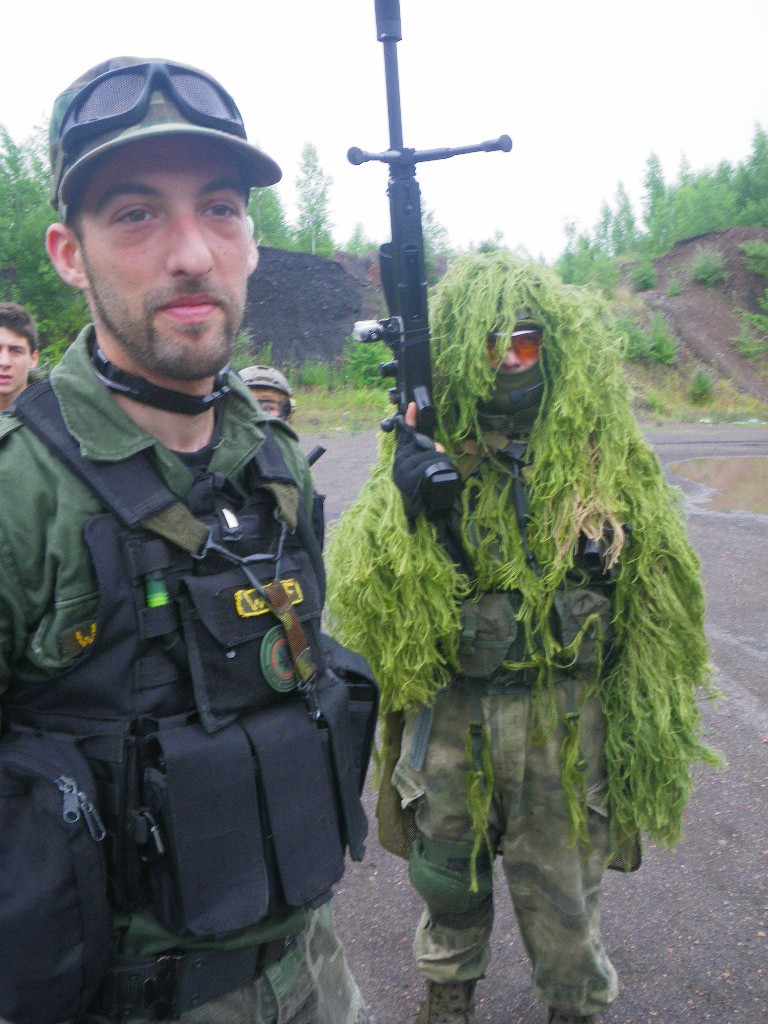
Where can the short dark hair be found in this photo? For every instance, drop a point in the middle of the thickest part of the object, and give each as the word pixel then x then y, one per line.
pixel 15 318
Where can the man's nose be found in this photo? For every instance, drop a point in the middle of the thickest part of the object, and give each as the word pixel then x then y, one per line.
pixel 189 254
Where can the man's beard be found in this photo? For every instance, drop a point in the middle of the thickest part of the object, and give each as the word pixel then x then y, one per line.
pixel 165 355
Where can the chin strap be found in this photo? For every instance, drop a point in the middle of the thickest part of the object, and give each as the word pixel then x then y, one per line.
pixel 152 394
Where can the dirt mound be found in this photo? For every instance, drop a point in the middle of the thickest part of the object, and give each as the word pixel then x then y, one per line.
pixel 304 306
pixel 705 319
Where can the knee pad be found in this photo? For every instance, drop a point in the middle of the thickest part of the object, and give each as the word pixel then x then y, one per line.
pixel 439 872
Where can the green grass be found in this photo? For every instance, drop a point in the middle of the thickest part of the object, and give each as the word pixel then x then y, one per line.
pixel 346 408
pixel 662 395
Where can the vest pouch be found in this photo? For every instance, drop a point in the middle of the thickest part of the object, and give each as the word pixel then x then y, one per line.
pixel 572 608
pixel 333 700
pixel 236 660
pixel 209 876
pixel 488 632
pixel 55 921
pixel 295 770
pixel 363 692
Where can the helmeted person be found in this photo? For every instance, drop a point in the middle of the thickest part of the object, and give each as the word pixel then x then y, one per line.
pixel 275 396
pixel 178 770
pixel 270 389
pixel 539 647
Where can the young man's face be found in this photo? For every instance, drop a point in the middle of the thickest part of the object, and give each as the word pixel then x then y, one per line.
pixel 163 251
pixel 16 360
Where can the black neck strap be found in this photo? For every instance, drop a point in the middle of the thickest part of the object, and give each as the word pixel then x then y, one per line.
pixel 143 391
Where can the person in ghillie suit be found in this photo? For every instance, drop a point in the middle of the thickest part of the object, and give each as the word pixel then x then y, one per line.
pixel 539 648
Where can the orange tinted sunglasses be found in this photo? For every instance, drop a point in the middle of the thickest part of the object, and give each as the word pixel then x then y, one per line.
pixel 525 344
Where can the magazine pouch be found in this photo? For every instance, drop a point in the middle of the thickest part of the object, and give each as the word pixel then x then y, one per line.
pixel 208 872
pixel 295 770
pixel 55 921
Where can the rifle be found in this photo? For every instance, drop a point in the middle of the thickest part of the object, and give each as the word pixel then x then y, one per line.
pixel 403 279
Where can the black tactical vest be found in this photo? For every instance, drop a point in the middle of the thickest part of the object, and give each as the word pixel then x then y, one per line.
pixel 228 781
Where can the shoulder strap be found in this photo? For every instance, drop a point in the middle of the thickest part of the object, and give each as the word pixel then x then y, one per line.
pixel 130 488
pixel 273 470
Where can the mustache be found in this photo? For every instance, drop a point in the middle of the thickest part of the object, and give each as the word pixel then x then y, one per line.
pixel 190 286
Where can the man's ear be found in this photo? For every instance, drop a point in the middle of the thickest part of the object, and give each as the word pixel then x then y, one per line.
pixel 65 253
pixel 253 253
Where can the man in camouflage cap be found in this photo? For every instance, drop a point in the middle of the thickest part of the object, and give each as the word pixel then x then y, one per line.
pixel 150 174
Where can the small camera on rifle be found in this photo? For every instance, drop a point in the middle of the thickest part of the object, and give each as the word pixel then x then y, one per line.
pixel 389 330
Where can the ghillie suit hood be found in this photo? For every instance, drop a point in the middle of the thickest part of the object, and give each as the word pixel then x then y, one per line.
pixel 396 596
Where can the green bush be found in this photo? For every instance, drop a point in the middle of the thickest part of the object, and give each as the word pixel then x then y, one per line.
pixel 362 362
pixel 674 287
pixel 663 342
pixel 315 374
pixel 643 276
pixel 651 343
pixel 708 268
pixel 655 402
pixel 702 389
pixel 637 347
pixel 756 256
pixel 749 344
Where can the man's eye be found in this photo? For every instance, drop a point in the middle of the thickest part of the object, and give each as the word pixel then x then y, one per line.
pixel 135 216
pixel 221 210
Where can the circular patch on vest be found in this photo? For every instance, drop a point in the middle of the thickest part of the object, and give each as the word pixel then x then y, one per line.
pixel 276 663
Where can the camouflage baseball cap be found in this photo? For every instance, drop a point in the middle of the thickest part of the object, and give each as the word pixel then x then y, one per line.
pixel 132 98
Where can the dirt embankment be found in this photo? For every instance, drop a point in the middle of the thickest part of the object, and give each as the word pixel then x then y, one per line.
pixel 705 319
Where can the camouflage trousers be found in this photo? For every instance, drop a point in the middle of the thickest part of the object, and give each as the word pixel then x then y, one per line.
pixel 310 984
pixel 554 885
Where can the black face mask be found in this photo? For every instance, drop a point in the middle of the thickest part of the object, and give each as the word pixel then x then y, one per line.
pixel 514 403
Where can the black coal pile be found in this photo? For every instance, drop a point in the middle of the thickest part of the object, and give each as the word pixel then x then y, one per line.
pixel 304 306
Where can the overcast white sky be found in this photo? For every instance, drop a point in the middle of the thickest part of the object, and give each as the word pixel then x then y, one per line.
pixel 586 91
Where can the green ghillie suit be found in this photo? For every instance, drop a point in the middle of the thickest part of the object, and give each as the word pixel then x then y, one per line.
pixel 396 596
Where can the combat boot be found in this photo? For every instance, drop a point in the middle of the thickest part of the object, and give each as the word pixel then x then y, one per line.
pixel 560 1017
pixel 452 1002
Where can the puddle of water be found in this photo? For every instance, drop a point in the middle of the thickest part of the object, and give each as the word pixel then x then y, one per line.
pixel 739 484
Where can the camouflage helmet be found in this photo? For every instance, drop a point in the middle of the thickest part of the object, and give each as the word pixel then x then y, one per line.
pixel 125 99
pixel 267 377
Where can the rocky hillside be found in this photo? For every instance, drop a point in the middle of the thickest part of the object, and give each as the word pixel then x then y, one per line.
pixel 705 319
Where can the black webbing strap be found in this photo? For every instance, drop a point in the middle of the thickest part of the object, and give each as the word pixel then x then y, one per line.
pixel 514 456
pixel 130 488
pixel 163 987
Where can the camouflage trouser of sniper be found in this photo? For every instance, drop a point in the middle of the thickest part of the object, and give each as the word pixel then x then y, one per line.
pixel 554 884
pixel 311 984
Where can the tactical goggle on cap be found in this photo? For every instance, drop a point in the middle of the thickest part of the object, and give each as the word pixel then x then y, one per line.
pixel 130 98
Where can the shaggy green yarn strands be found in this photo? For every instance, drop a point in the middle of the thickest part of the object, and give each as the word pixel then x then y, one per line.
pixel 382 580
pixel 395 597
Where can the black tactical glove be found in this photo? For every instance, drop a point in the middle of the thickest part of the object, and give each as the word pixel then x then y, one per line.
pixel 425 477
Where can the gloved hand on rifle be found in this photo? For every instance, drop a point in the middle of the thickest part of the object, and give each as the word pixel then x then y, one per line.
pixel 426 478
